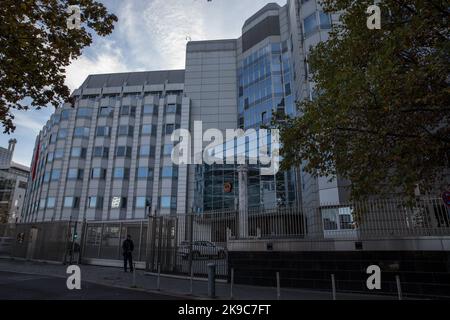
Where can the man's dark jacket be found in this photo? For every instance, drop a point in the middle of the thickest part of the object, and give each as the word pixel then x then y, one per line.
pixel 127 246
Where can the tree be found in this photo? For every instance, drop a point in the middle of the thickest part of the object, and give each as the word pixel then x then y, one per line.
pixel 381 113
pixel 35 47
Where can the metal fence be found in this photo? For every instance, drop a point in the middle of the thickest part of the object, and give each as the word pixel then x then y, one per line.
pixel 181 244
pixel 47 241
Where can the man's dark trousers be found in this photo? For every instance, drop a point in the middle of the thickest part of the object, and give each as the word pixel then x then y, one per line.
pixel 128 258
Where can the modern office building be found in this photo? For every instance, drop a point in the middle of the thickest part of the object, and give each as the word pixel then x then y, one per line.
pixel 13 184
pixel 108 158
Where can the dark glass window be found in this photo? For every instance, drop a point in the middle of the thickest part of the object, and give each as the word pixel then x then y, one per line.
pixel 121 173
pixel 123 152
pixel 103 131
pixel 128 111
pixel 148 109
pixel 98 173
pixel 81 132
pixel 84 113
pixel 78 152
pixel 125 131
pixel 144 173
pixel 65 114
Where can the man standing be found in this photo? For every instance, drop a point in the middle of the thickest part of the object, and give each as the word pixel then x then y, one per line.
pixel 128 247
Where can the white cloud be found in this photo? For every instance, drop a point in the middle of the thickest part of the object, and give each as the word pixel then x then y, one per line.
pixel 109 59
pixel 156 31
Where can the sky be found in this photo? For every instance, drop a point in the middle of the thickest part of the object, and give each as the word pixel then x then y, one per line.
pixel 150 35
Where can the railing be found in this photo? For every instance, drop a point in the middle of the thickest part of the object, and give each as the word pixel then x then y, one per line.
pixel 186 243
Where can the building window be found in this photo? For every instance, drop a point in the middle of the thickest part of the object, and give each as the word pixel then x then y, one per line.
pixel 95 202
pixel 62 134
pixel 171 108
pixel 50 157
pixel 118 203
pixel 121 173
pixel 144 151
pixel 84 113
pixel 56 174
pixel 71 202
pixel 65 114
pixel 98 173
pixel 75 174
pixel 170 128
pixel 81 132
pixel 56 119
pixel 142 202
pixel 103 132
pixel 337 218
pixel 168 148
pixel 51 202
pixel 168 202
pixel 47 176
pixel 169 172
pixel 78 153
pixel 128 111
pixel 42 204
pixel 125 131
pixel 287 89
pixel 59 154
pixel 100 152
pixel 123 152
pixel 148 109
pixel 310 24
pixel 53 138
pixel 144 173
pixel 146 129
pixel 105 112
pixel 325 20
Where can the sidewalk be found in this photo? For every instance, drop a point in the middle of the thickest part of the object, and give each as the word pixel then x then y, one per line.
pixel 174 286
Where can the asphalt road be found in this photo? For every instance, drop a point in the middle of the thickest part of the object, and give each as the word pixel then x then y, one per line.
pixel 17 286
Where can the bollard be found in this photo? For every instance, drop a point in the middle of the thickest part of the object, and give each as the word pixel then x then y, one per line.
pixel 278 286
pixel 134 274
pixel 399 288
pixel 192 282
pixel 211 280
pixel 158 280
pixel 333 286
pixel 231 284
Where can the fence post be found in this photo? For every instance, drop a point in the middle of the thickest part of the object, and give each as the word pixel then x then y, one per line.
pixel 333 286
pixel 278 286
pixel 82 240
pixel 399 288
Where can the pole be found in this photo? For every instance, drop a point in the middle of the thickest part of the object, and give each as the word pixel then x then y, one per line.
pixel 191 291
pixel 278 286
pixel 333 286
pixel 231 283
pixel 134 274
pixel 399 288
pixel 191 239
pixel 211 280
pixel 73 242
pixel 158 280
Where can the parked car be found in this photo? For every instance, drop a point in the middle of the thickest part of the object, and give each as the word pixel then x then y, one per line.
pixel 6 245
pixel 201 249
